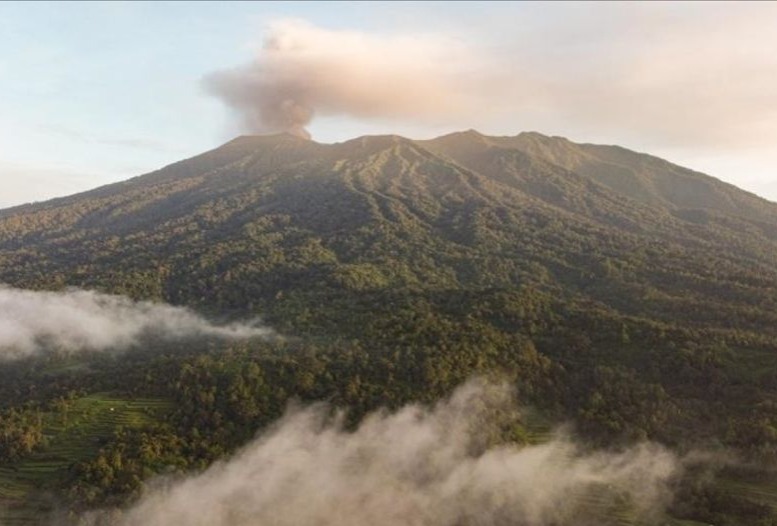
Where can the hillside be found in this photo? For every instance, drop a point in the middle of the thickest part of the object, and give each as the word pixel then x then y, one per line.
pixel 630 296
pixel 263 215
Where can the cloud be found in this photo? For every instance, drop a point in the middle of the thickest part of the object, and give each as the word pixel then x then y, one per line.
pixel 86 320
pixel 689 75
pixel 418 466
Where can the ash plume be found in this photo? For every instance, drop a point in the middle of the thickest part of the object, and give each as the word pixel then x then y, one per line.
pixel 419 466
pixel 302 71
pixel 76 319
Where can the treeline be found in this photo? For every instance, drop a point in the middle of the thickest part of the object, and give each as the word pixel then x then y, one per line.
pixel 21 433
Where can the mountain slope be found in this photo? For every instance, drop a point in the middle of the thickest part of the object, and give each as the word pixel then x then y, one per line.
pixel 642 177
pixel 263 215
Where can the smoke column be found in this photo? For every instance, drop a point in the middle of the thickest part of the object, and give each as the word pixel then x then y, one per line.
pixel 302 71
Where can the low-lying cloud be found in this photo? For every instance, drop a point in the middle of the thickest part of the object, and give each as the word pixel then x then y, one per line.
pixel 75 320
pixel 415 467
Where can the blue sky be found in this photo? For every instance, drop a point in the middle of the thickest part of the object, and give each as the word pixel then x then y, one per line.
pixel 92 93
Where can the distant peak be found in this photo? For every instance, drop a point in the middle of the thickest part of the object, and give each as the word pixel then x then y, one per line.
pixel 466 134
pixel 377 141
pixel 541 136
pixel 469 133
pixel 467 140
pixel 388 138
pixel 533 134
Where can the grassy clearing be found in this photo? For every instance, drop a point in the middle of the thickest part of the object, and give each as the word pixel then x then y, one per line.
pixel 537 428
pixel 72 435
pixel 760 491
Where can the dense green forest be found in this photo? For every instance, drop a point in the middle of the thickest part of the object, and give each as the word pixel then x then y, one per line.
pixel 630 297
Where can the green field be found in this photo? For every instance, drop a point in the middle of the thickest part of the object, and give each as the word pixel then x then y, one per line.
pixel 72 435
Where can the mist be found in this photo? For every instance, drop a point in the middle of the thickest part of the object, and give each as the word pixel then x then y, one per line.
pixel 75 319
pixel 429 466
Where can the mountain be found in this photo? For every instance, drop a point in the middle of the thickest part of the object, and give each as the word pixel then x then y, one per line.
pixel 628 295
pixel 268 215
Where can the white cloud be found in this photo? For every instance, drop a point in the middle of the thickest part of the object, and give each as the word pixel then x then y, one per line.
pixel 86 320
pixel 417 467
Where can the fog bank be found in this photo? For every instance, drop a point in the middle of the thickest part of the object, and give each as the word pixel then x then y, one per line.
pixel 415 467
pixel 75 319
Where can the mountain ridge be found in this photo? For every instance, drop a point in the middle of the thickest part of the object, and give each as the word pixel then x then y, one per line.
pixel 527 142
pixel 459 194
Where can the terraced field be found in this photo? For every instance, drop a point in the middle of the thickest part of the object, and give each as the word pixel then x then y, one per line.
pixel 762 492
pixel 601 504
pixel 72 436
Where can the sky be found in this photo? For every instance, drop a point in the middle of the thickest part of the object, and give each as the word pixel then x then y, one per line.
pixel 92 93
